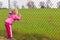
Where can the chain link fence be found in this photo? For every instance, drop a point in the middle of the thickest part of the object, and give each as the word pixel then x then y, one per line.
pixel 43 24
pixel 38 24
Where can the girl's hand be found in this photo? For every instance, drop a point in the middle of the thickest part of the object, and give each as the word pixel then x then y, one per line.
pixel 19 14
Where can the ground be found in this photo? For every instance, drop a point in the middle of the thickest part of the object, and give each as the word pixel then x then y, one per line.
pixel 2 38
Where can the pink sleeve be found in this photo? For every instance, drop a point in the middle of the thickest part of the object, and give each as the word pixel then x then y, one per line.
pixel 18 17
pixel 9 15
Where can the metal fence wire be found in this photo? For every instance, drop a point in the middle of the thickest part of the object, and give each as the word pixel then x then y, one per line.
pixel 41 23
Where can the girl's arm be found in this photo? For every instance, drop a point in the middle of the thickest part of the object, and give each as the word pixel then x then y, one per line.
pixel 18 17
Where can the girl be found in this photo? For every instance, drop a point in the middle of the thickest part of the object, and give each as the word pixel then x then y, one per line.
pixel 12 17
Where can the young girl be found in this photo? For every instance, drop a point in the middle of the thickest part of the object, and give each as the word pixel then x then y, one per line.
pixel 12 17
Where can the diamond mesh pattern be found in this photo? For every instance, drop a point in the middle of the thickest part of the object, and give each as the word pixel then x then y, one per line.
pixel 44 21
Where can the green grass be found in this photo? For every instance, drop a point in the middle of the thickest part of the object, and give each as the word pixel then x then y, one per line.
pixel 35 23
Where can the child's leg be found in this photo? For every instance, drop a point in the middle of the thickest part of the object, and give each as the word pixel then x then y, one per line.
pixel 8 30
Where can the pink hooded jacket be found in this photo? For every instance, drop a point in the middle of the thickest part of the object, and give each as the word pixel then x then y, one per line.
pixel 12 18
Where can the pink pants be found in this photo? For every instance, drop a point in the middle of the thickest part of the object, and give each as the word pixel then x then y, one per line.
pixel 8 30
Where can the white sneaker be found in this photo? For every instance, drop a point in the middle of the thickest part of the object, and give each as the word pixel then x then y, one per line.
pixel 12 39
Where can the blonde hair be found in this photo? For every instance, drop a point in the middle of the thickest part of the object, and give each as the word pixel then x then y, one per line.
pixel 14 10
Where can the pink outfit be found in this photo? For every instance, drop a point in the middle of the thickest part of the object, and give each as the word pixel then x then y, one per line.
pixel 12 17
pixel 9 21
pixel 8 30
